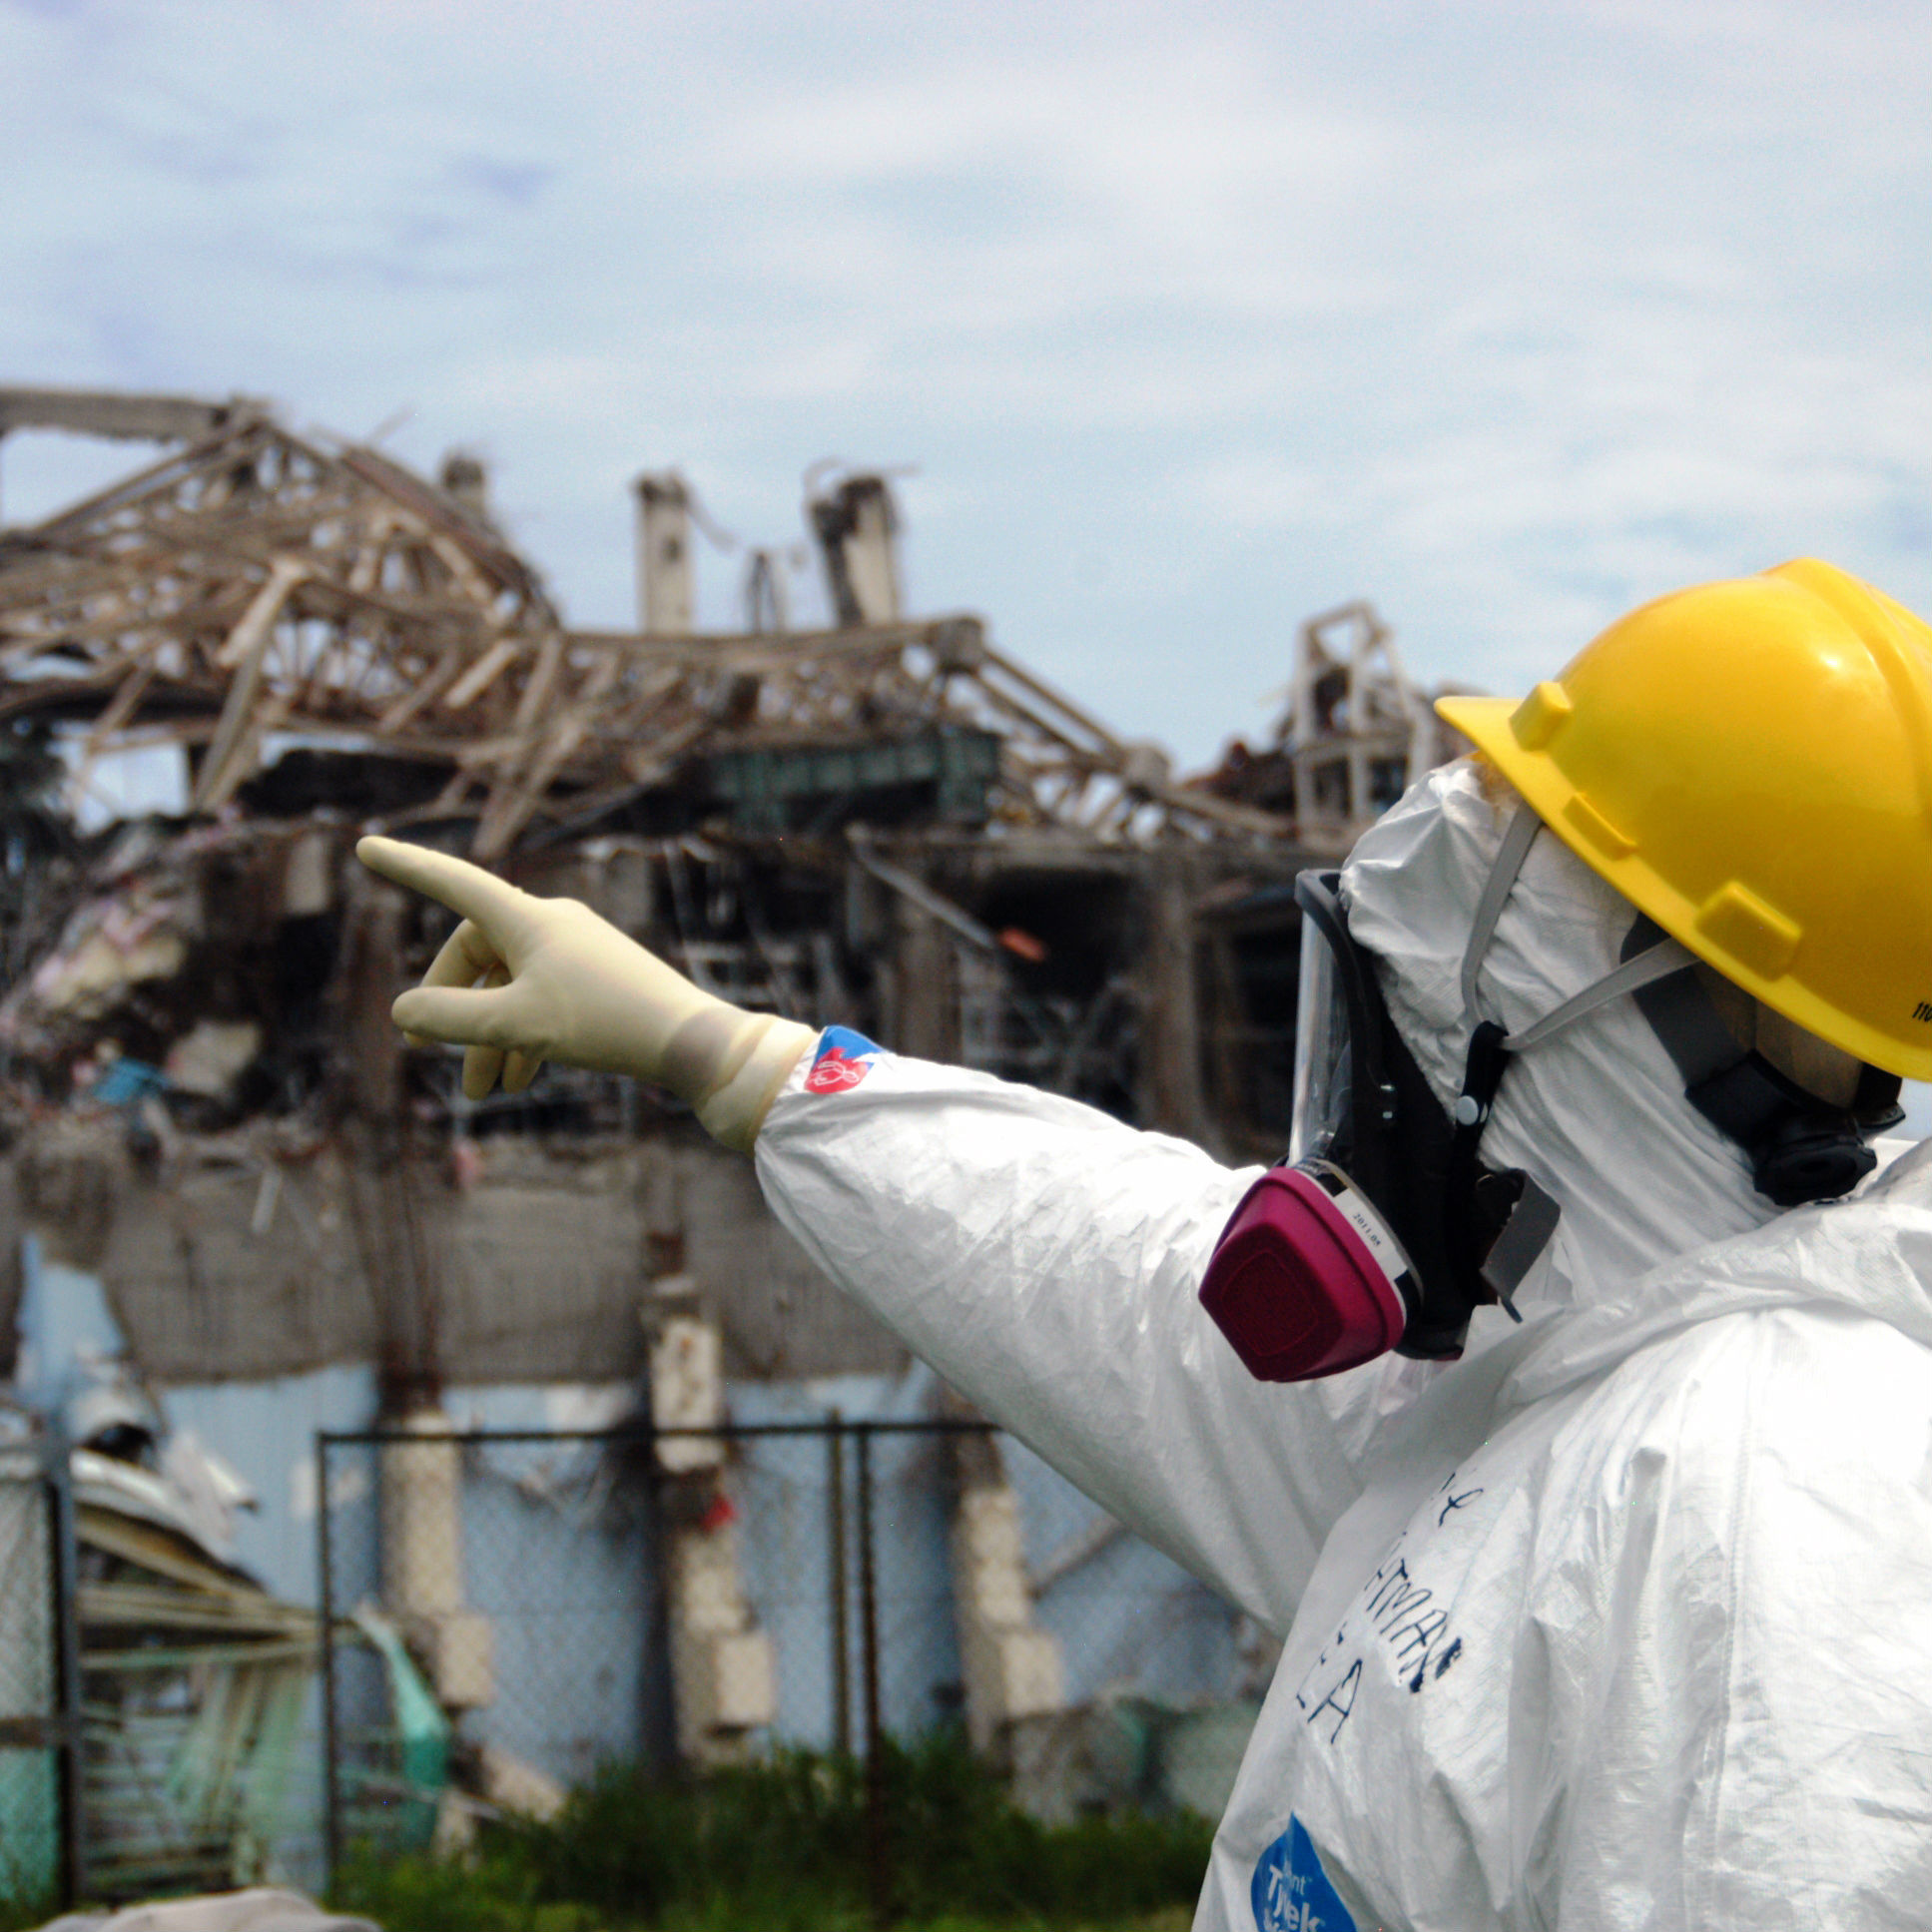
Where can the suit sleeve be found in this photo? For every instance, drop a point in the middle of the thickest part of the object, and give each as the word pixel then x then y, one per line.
pixel 1044 1260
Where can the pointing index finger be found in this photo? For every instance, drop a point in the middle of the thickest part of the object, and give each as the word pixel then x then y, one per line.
pixel 493 903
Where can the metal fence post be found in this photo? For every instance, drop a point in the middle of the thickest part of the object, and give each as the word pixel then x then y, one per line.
pixel 877 1849
pixel 656 1683
pixel 835 1448
pixel 67 1641
pixel 326 1614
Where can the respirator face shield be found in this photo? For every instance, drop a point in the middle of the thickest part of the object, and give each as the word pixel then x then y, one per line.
pixel 1310 1277
pixel 1327 1023
pixel 1380 1229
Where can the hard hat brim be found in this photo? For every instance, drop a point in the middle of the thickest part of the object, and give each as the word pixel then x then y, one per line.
pixel 1491 725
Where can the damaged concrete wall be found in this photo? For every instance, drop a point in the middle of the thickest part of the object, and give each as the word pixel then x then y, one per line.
pixel 222 1123
pixel 239 1268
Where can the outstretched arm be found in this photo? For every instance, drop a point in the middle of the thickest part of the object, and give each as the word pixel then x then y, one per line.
pixel 1046 1260
pixel 1041 1256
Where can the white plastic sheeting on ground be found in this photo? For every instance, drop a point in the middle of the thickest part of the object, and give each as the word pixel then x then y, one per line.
pixel 258 1910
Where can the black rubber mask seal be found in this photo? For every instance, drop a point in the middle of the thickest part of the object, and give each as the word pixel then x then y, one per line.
pixel 1470 1231
pixel 1800 1149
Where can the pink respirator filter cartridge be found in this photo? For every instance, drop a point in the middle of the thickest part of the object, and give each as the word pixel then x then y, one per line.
pixel 1296 1282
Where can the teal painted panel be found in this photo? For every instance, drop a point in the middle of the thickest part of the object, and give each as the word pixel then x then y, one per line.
pixel 778 785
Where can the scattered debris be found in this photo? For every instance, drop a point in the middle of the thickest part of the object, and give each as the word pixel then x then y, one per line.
pixel 1353 735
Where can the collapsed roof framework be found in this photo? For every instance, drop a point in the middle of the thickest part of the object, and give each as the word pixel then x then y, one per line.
pixel 256 583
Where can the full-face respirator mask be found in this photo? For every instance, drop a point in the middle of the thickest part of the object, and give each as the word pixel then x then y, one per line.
pixel 1382 1228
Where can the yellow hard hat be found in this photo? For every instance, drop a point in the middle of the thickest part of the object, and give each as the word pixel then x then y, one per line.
pixel 1750 763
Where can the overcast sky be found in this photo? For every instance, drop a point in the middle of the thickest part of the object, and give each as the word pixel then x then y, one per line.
pixel 1192 320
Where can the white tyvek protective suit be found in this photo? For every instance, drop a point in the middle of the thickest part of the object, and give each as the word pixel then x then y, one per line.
pixel 1625 1619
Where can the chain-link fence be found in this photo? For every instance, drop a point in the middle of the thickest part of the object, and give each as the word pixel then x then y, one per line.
pixel 505 1613
pixel 39 1848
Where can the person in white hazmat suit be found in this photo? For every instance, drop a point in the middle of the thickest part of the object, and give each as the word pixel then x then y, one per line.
pixel 1608 1602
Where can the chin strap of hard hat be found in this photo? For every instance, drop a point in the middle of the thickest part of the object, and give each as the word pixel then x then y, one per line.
pixel 1522 1214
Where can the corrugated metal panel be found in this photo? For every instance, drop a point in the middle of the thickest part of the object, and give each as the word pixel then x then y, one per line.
pixel 266 1433
pixel 947 773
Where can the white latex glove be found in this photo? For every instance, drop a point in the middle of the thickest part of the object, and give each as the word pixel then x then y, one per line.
pixel 525 979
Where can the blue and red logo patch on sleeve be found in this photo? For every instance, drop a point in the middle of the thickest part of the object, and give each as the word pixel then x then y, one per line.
pixel 843 1059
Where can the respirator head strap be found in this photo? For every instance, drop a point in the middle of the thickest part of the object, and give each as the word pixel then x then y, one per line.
pixel 1471 1245
pixel 1499 1222
pixel 1530 1214
pixel 1494 1224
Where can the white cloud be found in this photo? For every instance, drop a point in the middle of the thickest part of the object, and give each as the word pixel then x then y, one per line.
pixel 1502 313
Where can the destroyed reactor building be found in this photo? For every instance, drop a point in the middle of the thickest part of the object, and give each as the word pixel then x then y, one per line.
pixel 891 824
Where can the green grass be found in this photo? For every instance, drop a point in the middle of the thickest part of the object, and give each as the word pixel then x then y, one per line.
pixel 786 1845
pixel 18 1914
